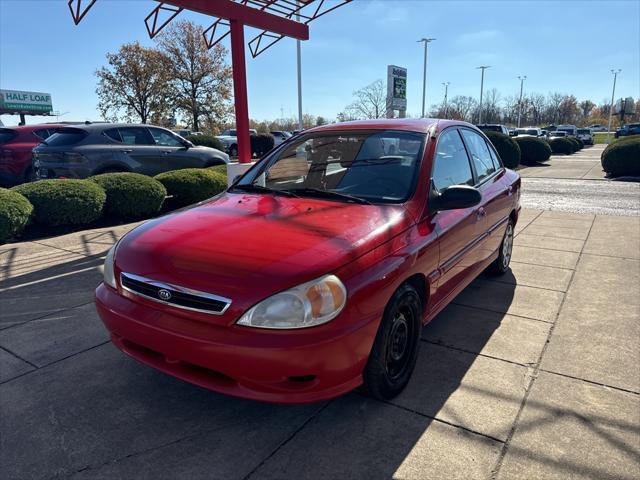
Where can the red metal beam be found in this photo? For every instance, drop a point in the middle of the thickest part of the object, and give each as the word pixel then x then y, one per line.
pixel 252 17
pixel 240 91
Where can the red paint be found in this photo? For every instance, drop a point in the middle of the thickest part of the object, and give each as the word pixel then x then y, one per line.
pixel 15 155
pixel 248 247
pixel 240 91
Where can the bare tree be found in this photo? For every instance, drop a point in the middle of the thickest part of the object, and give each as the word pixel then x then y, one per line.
pixel 134 85
pixel 370 102
pixel 200 77
pixel 462 107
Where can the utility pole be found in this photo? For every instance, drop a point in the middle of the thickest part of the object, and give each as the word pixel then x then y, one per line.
pixel 613 94
pixel 299 58
pixel 522 79
pixel 426 42
pixel 483 68
pixel 446 91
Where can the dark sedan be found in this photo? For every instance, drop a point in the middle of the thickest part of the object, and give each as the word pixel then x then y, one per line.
pixel 84 150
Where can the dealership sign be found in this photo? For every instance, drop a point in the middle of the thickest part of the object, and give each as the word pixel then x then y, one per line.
pixel 30 103
pixel 397 87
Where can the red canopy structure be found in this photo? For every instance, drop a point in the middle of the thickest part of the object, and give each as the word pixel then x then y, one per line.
pixel 276 18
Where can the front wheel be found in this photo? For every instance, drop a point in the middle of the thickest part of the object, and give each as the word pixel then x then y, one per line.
pixel 501 264
pixel 395 350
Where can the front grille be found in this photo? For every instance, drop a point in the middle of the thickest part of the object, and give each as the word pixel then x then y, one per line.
pixel 168 294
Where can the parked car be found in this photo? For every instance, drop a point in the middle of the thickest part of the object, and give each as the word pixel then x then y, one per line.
pixel 629 129
pixel 315 272
pixel 84 150
pixel 571 130
pixel 229 139
pixel 493 127
pixel 596 127
pixel 585 135
pixel 556 134
pixel 280 136
pixel 512 132
pixel 16 144
pixel 529 132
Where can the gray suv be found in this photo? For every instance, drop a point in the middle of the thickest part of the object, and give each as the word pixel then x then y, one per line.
pixel 80 151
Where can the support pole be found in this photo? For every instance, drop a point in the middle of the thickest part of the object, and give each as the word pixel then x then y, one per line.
pixel 613 94
pixel 240 91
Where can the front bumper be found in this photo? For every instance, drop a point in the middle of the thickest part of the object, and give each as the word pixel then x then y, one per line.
pixel 270 366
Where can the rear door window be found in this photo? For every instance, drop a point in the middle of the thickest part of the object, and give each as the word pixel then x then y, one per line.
pixel 480 156
pixel 6 135
pixel 66 136
pixel 136 136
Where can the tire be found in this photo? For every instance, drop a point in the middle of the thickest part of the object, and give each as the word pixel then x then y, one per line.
pixel 233 151
pixel 501 264
pixel 395 349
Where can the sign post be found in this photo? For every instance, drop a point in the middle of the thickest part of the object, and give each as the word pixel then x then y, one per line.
pixel 396 91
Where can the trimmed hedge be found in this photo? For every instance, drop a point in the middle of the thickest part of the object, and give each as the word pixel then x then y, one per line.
pixel 507 148
pixel 64 202
pixel 533 150
pixel 574 142
pixel 191 185
pixel 206 141
pixel 580 143
pixel 15 211
pixel 221 169
pixel 561 145
pixel 130 196
pixel 622 158
pixel 261 144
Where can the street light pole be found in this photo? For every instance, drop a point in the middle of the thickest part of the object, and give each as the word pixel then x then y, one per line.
pixel 522 79
pixel 613 94
pixel 426 42
pixel 446 91
pixel 483 68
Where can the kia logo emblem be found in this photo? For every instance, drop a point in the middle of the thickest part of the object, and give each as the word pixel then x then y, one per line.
pixel 164 294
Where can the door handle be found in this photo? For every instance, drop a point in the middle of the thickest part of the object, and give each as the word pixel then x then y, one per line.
pixel 481 212
pixel 126 151
pixel 166 152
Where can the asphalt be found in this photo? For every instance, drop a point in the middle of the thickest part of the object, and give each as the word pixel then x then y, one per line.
pixel 533 375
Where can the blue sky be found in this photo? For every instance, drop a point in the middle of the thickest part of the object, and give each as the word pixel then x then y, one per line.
pixel 565 46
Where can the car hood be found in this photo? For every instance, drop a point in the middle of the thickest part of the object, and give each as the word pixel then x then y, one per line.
pixel 247 247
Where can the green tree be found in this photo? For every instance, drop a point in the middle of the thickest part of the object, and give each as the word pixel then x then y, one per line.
pixel 134 85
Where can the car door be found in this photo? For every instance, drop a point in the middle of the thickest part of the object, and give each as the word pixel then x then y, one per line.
pixel 139 151
pixel 459 231
pixel 172 153
pixel 489 174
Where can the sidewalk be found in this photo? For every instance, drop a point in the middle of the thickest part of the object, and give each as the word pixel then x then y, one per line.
pixel 533 375
pixel 584 165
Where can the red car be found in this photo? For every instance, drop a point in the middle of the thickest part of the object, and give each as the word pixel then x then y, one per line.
pixel 16 144
pixel 316 270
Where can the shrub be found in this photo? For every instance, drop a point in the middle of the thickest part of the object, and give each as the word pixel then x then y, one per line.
pixel 64 202
pixel 574 143
pixel 507 148
pixel 192 185
pixel 131 195
pixel 206 141
pixel 561 145
pixel 580 143
pixel 15 211
pixel 622 158
pixel 221 169
pixel 533 150
pixel 261 144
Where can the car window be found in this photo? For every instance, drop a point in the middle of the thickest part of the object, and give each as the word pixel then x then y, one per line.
pixel 164 138
pixel 479 152
pixel 6 135
pixel 66 136
pixel 451 162
pixel 136 136
pixel 494 158
pixel 113 134
pixel 43 133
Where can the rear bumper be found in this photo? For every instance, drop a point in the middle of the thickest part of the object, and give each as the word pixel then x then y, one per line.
pixel 60 170
pixel 259 365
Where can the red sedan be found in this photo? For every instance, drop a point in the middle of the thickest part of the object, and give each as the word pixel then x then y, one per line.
pixel 16 144
pixel 315 272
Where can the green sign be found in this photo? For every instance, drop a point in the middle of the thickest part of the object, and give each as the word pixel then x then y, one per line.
pixel 14 101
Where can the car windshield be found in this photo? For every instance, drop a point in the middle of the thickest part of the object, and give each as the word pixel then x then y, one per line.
pixel 566 130
pixel 584 131
pixel 557 134
pixel 532 131
pixel 521 131
pixel 6 135
pixel 66 136
pixel 363 167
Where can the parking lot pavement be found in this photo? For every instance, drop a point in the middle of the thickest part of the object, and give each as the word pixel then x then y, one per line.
pixel 532 375
pixel 584 165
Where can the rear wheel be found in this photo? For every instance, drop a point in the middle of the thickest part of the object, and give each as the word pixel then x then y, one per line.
pixel 395 349
pixel 501 264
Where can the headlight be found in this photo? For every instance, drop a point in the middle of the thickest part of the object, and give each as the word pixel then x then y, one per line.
pixel 109 275
pixel 307 305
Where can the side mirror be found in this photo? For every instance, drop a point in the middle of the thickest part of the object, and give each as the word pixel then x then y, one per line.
pixel 188 144
pixel 456 197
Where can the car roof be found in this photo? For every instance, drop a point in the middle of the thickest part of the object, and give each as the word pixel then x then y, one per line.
pixel 98 127
pixel 419 125
pixel 31 128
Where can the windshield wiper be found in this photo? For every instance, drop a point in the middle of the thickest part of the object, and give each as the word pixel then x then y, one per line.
pixel 330 194
pixel 252 187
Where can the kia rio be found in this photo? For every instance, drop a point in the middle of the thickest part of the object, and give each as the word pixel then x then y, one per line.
pixel 315 271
